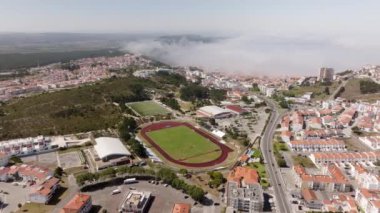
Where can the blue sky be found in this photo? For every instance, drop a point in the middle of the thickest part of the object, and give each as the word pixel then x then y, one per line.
pixel 267 36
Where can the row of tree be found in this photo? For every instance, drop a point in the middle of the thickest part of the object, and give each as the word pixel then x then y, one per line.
pixel 126 132
pixel 171 102
pixel 168 176
pixel 369 86
pixel 196 92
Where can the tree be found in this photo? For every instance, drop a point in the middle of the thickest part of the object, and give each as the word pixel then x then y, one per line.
pixel 127 126
pixel 167 175
pixel 216 179
pixel 246 100
pixel 197 193
pixel 183 171
pixel 171 102
pixel 283 103
pixel 139 150
pixel 327 91
pixel 58 172
pixel 194 92
pixel 218 95
pixel 19 205
pixel 255 87
pixel 212 121
pixel 15 159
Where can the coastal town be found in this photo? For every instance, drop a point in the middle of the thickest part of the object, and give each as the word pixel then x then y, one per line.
pixel 266 144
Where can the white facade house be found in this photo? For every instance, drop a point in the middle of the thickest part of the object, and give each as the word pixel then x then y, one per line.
pixel 372 142
pixel 331 145
pixel 4 158
pixel 322 158
pixel 25 146
pixel 369 181
pixel 368 200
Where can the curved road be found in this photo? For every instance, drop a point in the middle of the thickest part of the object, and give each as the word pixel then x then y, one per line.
pixel 281 197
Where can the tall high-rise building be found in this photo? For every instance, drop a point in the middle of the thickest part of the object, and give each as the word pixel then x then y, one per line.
pixel 326 74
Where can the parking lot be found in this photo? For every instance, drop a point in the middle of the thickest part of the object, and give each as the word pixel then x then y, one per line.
pixel 48 160
pixel 164 197
pixel 70 160
pixel 12 195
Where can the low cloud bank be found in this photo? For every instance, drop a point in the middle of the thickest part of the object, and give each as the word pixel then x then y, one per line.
pixel 261 55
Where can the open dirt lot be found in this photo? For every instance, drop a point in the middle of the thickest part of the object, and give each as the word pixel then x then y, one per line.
pixel 70 160
pixel 12 196
pixel 48 160
pixel 164 197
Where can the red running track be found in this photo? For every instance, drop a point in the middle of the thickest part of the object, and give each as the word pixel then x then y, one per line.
pixel 165 124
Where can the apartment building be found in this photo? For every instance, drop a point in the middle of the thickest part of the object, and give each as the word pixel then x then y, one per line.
pixel 333 180
pixel 244 192
pixel 42 193
pixel 24 146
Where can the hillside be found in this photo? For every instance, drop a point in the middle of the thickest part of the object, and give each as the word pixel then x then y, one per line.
pixel 353 92
pixel 70 111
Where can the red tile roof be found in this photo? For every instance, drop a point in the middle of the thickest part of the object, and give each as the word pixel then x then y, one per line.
pixel 243 174
pixel 181 208
pixel 75 204
pixel 308 195
pixel 236 108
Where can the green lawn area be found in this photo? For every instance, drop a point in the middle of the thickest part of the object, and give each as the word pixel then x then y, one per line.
pixel 257 153
pixel 182 143
pixel 280 146
pixel 303 161
pixel 148 108
pixel 262 173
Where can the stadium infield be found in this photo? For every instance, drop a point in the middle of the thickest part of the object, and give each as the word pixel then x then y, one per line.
pixel 183 144
pixel 147 108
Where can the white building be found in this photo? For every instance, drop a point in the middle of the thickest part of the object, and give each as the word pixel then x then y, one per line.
pixel 214 112
pixel 368 200
pixel 136 201
pixel 44 192
pixel 109 148
pixel 331 145
pixel 372 142
pixel 24 146
pixel 369 181
pixel 4 158
pixel 323 158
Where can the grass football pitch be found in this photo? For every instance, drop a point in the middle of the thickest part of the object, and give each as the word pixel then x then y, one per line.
pixel 184 144
pixel 148 108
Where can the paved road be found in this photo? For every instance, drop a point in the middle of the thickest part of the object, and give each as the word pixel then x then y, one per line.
pixel 73 189
pixel 281 197
pixel 337 90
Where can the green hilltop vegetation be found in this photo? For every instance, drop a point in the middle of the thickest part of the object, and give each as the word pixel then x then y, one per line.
pixel 89 107
pixel 24 60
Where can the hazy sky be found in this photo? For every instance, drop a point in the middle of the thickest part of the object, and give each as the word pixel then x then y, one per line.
pixel 265 16
pixel 299 34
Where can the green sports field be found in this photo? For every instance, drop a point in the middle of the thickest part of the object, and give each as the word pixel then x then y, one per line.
pixel 148 108
pixel 183 144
